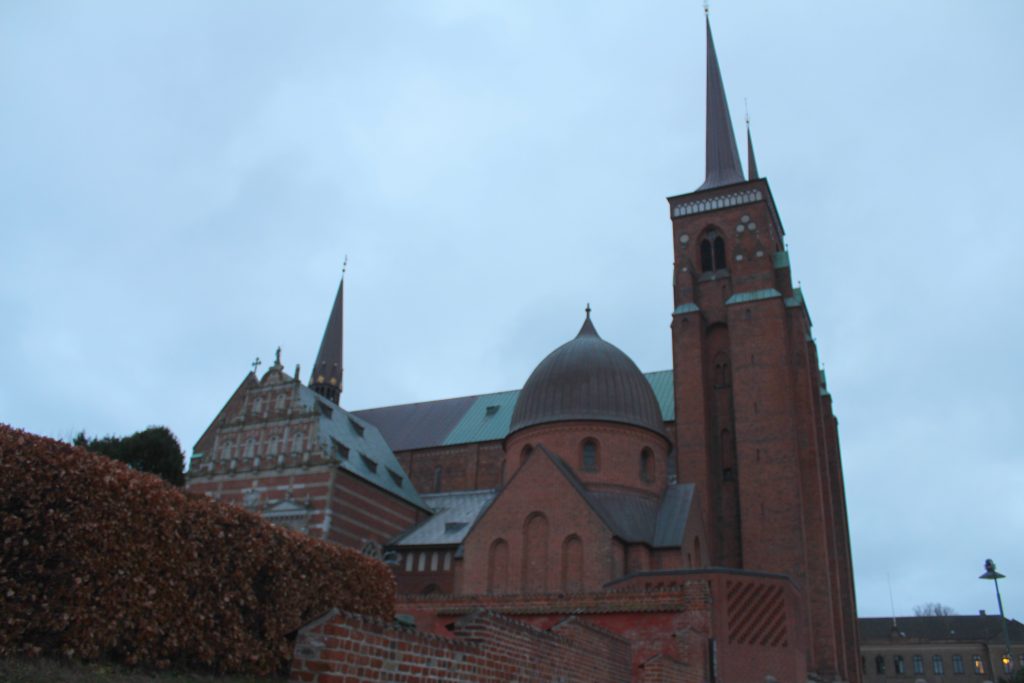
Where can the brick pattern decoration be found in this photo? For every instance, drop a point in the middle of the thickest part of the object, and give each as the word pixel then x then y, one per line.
pixel 757 614
pixel 345 648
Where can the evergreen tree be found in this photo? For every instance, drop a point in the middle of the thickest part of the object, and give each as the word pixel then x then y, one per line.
pixel 155 450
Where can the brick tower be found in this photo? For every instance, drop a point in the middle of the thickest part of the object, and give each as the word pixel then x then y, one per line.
pixel 754 424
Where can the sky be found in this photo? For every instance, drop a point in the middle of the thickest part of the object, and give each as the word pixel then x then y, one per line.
pixel 180 183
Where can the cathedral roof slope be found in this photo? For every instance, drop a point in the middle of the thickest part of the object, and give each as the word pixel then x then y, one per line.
pixel 363 450
pixel 587 378
pixel 454 515
pixel 636 517
pixel 473 419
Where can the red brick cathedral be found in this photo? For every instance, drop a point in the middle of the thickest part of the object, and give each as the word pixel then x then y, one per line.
pixel 698 512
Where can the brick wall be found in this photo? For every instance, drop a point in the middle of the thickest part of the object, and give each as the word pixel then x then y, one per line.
pixel 485 647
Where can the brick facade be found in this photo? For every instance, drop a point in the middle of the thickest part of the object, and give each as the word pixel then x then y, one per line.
pixel 483 646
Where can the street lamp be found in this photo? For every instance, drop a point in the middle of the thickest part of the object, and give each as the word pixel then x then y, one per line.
pixel 994 576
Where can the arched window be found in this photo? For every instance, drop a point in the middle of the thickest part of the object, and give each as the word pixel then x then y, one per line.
pixel 497 568
pixel 712 252
pixel 647 465
pixel 535 554
pixel 719 244
pixel 588 462
pixel 572 564
pixel 696 552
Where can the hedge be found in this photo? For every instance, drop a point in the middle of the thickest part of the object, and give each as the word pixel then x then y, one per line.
pixel 100 561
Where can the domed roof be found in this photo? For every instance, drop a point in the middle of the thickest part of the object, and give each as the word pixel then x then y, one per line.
pixel 587 379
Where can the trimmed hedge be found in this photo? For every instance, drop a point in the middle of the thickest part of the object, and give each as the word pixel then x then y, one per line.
pixel 101 561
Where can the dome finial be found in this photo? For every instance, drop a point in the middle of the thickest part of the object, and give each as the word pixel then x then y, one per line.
pixel 587 309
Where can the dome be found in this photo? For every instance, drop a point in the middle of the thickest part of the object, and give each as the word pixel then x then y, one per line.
pixel 587 379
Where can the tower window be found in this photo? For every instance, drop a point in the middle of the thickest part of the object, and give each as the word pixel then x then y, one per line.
pixel 589 462
pixel 647 465
pixel 712 253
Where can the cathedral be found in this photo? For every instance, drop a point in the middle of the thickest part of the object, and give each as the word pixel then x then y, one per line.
pixel 698 512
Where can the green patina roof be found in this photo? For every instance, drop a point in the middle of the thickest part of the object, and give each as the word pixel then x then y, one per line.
pixel 487 419
pixel 474 419
pixel 758 295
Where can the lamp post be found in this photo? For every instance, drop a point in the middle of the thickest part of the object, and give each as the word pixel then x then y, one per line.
pixel 994 576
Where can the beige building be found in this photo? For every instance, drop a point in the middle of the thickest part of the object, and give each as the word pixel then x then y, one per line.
pixel 950 649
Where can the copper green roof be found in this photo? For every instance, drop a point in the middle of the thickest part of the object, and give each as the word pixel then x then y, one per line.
pixel 473 419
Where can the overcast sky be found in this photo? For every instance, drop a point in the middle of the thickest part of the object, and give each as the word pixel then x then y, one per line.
pixel 181 181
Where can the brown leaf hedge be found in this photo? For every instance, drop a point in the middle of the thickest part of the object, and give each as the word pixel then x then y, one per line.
pixel 103 562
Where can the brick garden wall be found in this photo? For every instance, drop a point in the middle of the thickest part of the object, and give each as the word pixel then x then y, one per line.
pixel 486 647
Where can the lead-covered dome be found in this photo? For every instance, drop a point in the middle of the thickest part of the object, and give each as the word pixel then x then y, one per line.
pixel 587 379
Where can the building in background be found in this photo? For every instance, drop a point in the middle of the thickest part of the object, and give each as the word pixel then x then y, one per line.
pixel 698 512
pixel 940 648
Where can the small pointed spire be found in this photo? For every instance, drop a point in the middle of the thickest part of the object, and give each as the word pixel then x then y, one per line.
pixel 751 161
pixel 327 371
pixel 722 159
pixel 588 329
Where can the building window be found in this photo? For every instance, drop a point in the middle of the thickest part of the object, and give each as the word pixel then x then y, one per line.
pixel 447 561
pixel 589 456
pixel 712 253
pixel 879 664
pixel 898 666
pixel 339 449
pixel 647 465
pixel 434 557
pixel 356 427
pixel 918 664
pixel 395 477
pixel 526 453
pixel 937 665
pixel 958 664
pixel 437 479
pixel 979 666
pixel 422 564
pixel 408 561
pixel 370 464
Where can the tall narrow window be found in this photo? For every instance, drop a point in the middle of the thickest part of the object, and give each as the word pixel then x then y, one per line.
pixel 918 664
pixel 719 253
pixel 497 568
pixel 879 664
pixel 437 479
pixel 937 666
pixel 958 664
pixel 572 564
pixel 979 666
pixel 535 554
pixel 712 252
pixel 647 465
pixel 897 665
pixel 589 463
pixel 706 263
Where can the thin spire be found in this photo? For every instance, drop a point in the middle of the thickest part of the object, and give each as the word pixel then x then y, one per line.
pixel 751 161
pixel 327 371
pixel 722 163
pixel 588 327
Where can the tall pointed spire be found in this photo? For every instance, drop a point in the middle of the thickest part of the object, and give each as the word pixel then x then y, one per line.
pixel 751 161
pixel 327 371
pixel 723 158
